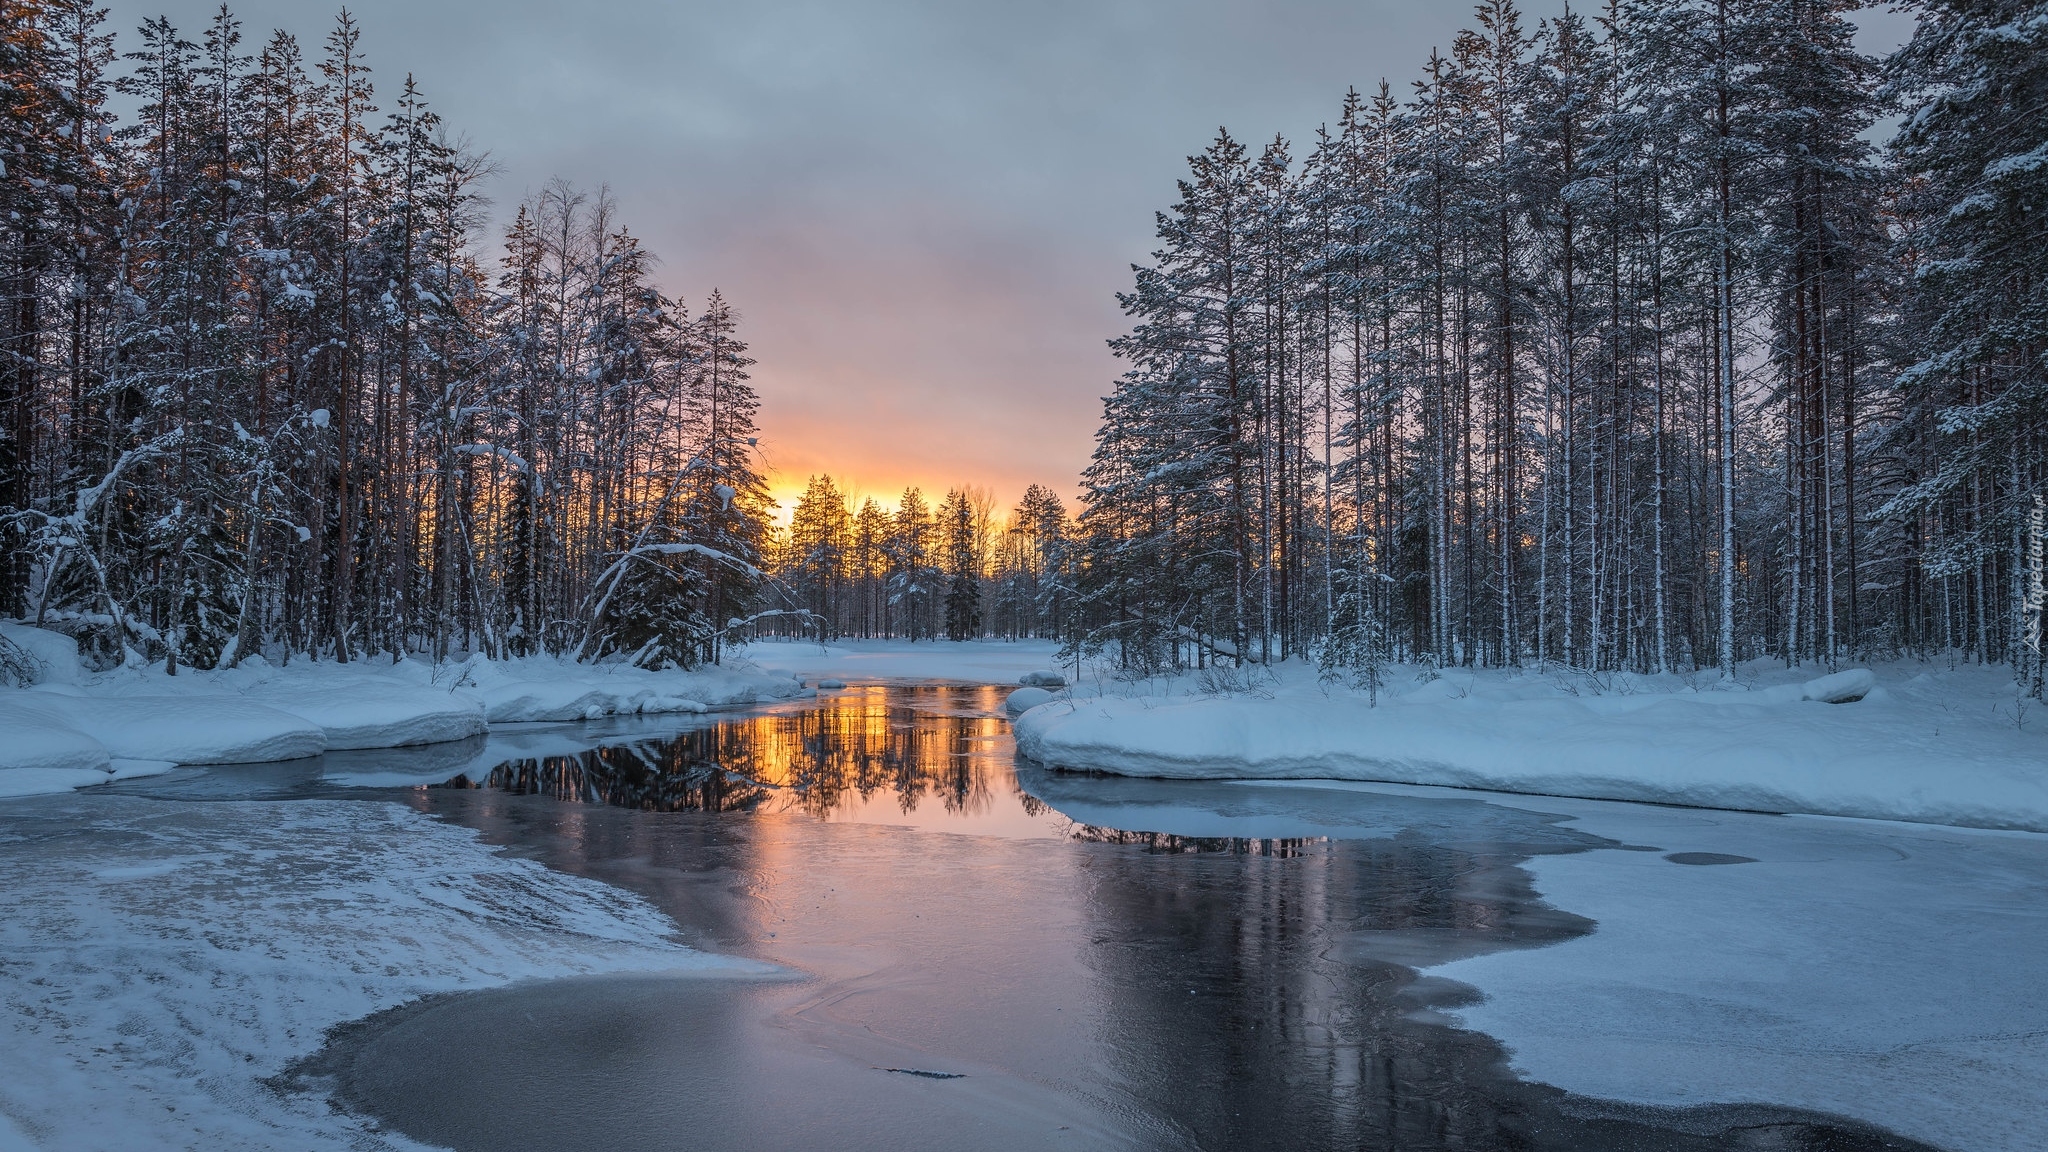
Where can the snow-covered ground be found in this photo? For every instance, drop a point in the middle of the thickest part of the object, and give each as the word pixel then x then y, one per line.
pixel 162 960
pixel 1940 745
pixel 72 729
pixel 974 661
pixel 1888 972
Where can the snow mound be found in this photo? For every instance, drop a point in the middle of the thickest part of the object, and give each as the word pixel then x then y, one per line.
pixel 1845 687
pixel 123 769
pixel 55 654
pixel 1042 679
pixel 531 700
pixel 548 690
pixel 1025 699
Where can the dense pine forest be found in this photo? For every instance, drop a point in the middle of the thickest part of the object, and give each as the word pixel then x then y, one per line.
pixel 1612 342
pixel 263 391
pixel 1661 336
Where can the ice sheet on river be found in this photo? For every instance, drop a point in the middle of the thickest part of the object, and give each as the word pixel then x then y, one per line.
pixel 161 960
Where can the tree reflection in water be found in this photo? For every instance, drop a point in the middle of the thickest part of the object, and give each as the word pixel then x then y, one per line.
pixel 846 749
pixel 1286 848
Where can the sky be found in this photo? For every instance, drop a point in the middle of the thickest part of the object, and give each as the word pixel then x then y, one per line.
pixel 922 209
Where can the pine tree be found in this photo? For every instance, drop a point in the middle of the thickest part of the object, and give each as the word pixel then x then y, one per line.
pixel 961 564
pixel 1976 318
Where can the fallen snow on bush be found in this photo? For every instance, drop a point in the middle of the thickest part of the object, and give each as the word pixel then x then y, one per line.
pixel 160 961
pixel 71 729
pixel 1937 745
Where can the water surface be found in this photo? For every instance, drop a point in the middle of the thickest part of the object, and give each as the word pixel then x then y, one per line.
pixel 1084 962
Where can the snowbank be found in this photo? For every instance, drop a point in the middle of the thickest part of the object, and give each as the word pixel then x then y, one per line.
pixel 70 729
pixel 365 712
pixel 1951 747
pixel 34 740
pixel 163 960
pixel 1882 971
pixel 188 730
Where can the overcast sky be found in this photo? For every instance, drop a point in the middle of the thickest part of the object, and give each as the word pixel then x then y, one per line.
pixel 922 208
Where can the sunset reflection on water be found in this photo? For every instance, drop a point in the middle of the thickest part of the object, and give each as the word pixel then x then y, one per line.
pixel 930 756
pixel 938 757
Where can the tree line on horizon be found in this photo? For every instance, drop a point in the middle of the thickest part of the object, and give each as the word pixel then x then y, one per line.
pixel 262 390
pixel 1613 344
pixel 917 572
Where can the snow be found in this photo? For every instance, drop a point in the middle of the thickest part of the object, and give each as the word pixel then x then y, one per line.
pixel 1025 699
pixel 42 781
pixel 160 961
pixel 1841 688
pixel 71 730
pixel 215 730
pixel 1887 972
pixel 128 769
pixel 436 763
pixel 536 690
pixel 32 740
pixel 1940 746
pixel 868 661
pixel 54 652
pixel 366 712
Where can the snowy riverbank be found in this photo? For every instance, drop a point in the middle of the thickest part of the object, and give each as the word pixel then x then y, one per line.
pixel 1923 743
pixel 74 728
pixel 1876 970
pixel 1886 972
pixel 165 960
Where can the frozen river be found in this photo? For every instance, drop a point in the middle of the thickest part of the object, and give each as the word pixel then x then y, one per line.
pixel 940 948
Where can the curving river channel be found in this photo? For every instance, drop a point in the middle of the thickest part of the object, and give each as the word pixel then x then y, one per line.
pixel 983 954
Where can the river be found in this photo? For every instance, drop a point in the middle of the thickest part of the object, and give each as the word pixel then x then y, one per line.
pixel 977 953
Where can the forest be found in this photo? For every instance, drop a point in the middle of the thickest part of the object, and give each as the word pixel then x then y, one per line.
pixel 919 572
pixel 1660 337
pixel 1664 337
pixel 264 391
